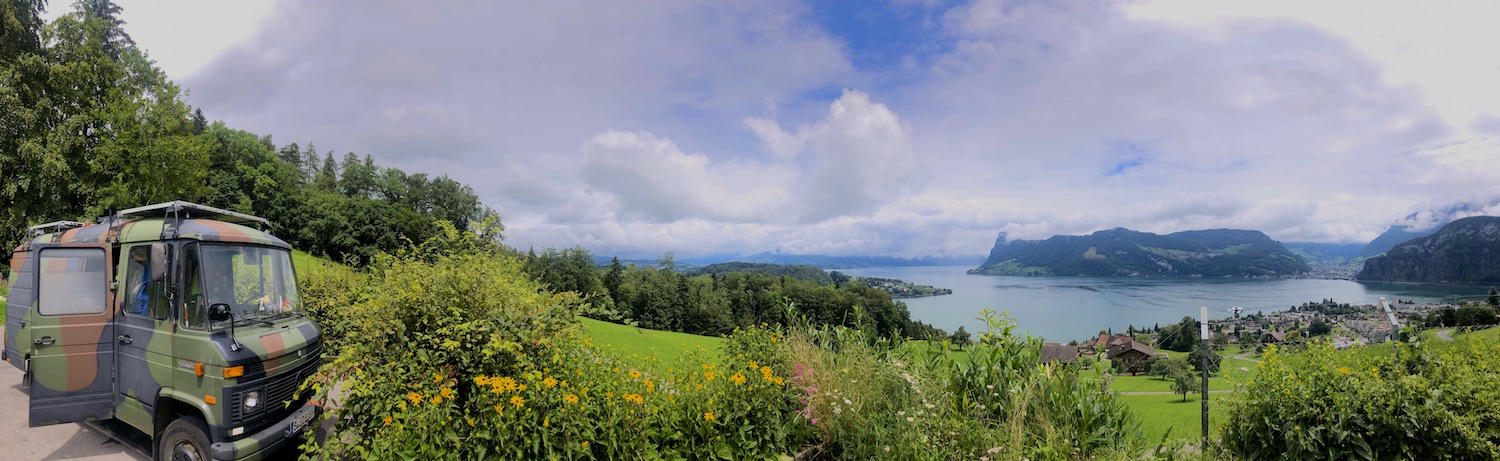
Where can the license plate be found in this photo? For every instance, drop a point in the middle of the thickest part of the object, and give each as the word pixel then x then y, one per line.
pixel 299 422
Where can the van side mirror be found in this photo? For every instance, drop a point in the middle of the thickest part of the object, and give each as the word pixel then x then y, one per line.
pixel 218 312
pixel 159 261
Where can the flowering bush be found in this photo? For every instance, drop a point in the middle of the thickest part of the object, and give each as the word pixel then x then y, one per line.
pixel 457 355
pixel 1439 401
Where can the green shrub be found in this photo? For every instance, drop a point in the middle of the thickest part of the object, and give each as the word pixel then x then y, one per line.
pixel 326 295
pixel 1439 402
pixel 457 355
pixel 868 400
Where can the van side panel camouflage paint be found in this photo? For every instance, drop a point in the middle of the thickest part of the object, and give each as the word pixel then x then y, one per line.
pixel 18 305
pixel 73 376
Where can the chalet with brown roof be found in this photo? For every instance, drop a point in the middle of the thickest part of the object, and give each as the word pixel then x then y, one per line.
pixel 1062 354
pixel 1130 355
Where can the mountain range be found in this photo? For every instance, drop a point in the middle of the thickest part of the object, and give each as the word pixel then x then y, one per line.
pixel 1466 251
pixel 1124 252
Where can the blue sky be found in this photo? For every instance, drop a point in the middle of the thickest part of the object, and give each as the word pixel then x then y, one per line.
pixel 904 127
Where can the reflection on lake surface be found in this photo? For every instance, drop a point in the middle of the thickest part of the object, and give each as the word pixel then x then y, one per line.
pixel 1065 308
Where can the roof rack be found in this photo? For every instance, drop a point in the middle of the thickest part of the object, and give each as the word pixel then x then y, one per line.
pixel 55 226
pixel 188 210
pixel 175 212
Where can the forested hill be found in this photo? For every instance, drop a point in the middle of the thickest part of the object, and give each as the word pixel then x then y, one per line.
pixel 1123 252
pixel 1466 251
pixel 91 126
pixel 808 273
pixel 659 297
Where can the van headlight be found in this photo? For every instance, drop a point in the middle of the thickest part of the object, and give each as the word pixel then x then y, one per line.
pixel 252 401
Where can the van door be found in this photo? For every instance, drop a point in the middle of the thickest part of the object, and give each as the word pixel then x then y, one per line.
pixel 17 305
pixel 72 366
pixel 144 342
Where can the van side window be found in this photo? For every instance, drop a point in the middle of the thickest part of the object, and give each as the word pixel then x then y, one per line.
pixel 71 281
pixel 142 296
pixel 194 313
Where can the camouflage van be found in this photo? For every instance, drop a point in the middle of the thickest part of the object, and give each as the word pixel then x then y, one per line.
pixel 178 319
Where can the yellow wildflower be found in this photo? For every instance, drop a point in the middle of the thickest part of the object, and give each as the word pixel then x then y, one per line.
pixel 499 408
pixel 585 444
pixel 650 386
pixel 517 401
pixel 414 397
pixel 709 375
pixel 738 378
pixel 521 388
pixel 635 374
pixel 436 399
pixel 549 382
pixel 446 392
pixel 708 416
pixel 1344 370
pixel 387 420
pixel 437 378
pixel 754 365
pixel 570 398
pixel 482 380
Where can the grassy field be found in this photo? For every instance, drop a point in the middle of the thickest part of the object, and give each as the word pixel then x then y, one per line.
pixel 667 347
pixel 1162 413
pixel 1492 334
pixel 307 264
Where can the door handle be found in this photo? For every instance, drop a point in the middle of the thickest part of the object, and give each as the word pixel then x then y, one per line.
pixel 43 341
pixel 125 339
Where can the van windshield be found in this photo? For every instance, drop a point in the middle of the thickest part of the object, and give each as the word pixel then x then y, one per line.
pixel 256 282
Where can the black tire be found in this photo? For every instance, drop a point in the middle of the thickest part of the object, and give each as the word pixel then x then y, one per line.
pixel 185 439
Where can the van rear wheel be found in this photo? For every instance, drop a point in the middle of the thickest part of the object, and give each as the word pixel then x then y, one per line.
pixel 186 439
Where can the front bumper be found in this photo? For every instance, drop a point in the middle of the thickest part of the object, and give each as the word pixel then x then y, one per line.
pixel 268 441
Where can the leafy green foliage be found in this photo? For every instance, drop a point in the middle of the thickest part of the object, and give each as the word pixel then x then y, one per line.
pixel 1437 401
pixel 1195 360
pixel 1184 382
pixel 715 302
pixel 450 352
pixel 1182 336
pixel 890 400
pixel 91 126
pixel 800 272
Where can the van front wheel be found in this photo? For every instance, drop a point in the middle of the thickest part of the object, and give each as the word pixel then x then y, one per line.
pixel 186 439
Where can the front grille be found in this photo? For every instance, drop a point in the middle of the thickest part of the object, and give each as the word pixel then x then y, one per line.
pixel 275 392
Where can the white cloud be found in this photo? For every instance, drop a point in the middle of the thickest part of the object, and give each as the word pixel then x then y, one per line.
pixel 1310 121
pixel 855 160
pixel 652 179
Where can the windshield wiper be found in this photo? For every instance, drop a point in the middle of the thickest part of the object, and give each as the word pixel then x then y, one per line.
pixel 256 320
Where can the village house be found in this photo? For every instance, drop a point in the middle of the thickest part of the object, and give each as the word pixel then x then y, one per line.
pixel 1061 354
pixel 1128 354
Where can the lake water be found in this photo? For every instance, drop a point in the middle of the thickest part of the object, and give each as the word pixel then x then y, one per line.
pixel 1066 308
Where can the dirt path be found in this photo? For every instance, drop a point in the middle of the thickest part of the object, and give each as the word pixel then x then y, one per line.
pixel 1445 335
pixel 1246 356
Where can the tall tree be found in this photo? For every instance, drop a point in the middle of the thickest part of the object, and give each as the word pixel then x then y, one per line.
pixel 328 177
pixel 20 28
pixel 114 39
